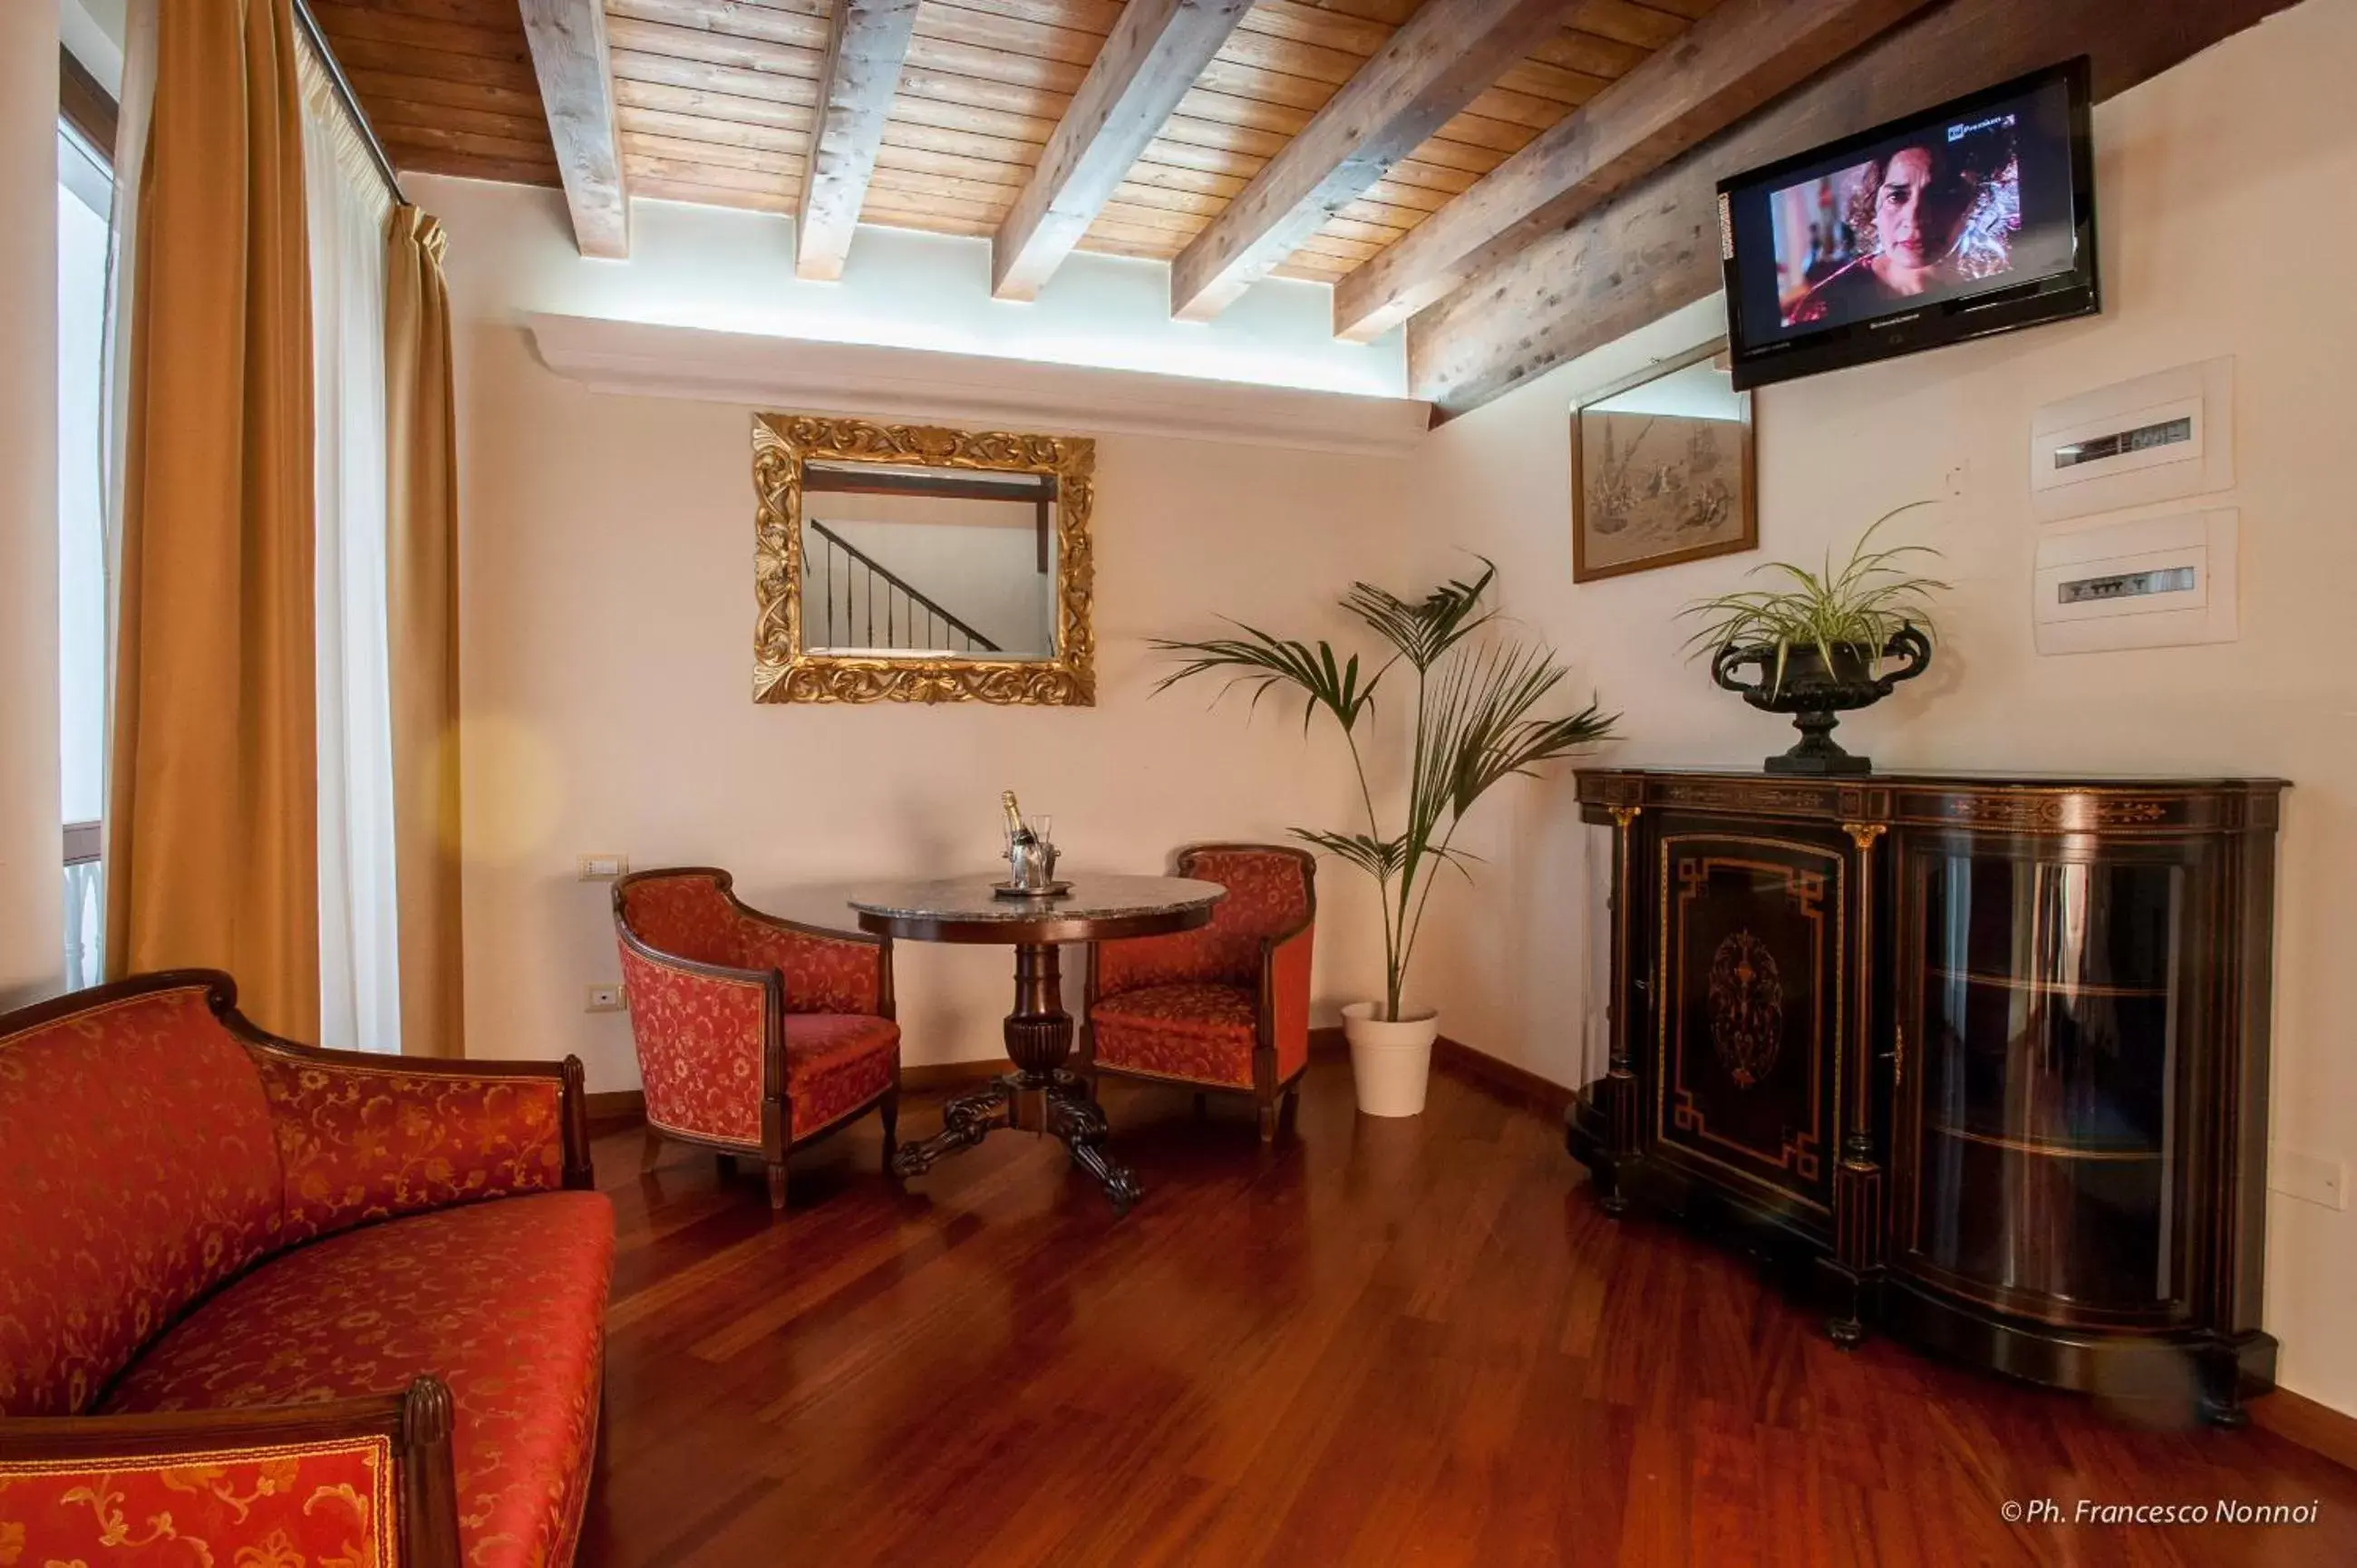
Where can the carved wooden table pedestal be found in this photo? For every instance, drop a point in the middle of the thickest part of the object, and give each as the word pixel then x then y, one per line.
pixel 1038 1031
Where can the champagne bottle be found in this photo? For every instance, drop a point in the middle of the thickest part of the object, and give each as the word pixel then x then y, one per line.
pixel 1022 844
pixel 1016 832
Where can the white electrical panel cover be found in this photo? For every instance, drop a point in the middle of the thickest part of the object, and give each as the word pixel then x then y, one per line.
pixel 2152 583
pixel 2156 438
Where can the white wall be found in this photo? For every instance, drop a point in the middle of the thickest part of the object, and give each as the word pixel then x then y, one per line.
pixel 608 595
pixel 733 270
pixel 2226 230
pixel 31 937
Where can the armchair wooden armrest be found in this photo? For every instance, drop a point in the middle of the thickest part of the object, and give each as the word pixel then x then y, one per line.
pixel 325 1478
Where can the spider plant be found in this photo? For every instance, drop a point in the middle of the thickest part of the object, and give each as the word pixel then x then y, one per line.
pixel 1476 723
pixel 1860 605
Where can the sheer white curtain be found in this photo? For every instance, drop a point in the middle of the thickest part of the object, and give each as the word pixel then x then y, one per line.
pixel 359 992
pixel 133 113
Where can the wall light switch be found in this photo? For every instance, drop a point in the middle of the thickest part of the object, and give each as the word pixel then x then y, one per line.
pixel 603 867
pixel 602 999
pixel 2310 1177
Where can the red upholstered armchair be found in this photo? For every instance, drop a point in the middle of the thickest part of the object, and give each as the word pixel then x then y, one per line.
pixel 1225 1007
pixel 755 1033
pixel 263 1305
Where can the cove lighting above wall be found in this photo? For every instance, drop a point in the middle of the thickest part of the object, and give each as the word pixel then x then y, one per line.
pixel 725 270
pixel 891 383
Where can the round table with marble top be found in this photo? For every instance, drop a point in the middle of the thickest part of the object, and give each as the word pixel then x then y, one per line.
pixel 1093 908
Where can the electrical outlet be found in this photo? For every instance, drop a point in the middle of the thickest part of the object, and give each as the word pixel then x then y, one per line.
pixel 2310 1177
pixel 603 867
pixel 602 999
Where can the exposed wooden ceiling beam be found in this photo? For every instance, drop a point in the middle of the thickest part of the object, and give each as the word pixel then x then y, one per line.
pixel 1735 59
pixel 577 87
pixel 1655 247
pixel 865 44
pixel 1447 54
pixel 1148 62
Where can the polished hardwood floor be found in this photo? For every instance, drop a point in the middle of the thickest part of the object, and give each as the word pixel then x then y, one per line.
pixel 1376 1343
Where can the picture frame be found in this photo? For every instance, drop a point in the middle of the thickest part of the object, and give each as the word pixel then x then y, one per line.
pixel 787 667
pixel 1653 485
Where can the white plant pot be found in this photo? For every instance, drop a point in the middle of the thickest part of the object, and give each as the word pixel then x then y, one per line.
pixel 1391 1062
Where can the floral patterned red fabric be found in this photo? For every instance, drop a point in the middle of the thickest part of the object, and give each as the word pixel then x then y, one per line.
pixel 1268 894
pixel 822 975
pixel 505 1302
pixel 307 1505
pixel 836 1063
pixel 690 914
pixel 699 1041
pixel 359 1142
pixel 1204 1034
pixel 137 1172
pixel 684 914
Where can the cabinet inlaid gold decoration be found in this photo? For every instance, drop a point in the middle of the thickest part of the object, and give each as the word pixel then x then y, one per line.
pixel 1987 1055
pixel 917 563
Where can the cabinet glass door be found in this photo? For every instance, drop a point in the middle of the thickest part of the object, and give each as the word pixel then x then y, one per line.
pixel 2041 1079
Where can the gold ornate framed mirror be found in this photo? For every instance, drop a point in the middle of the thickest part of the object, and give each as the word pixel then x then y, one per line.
pixel 913 564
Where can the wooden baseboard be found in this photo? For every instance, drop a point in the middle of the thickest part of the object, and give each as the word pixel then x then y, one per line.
pixel 951 1075
pixel 619 1109
pixel 2319 1428
pixel 1502 1079
pixel 615 1110
pixel 1455 1057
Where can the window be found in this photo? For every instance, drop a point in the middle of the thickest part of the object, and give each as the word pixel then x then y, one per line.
pixel 85 203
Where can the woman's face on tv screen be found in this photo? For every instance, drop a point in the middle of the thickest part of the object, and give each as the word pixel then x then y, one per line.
pixel 1917 209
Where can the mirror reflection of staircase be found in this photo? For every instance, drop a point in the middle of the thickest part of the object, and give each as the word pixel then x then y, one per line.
pixel 855 600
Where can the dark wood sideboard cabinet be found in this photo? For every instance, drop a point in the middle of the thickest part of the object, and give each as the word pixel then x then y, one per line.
pixel 1986 1054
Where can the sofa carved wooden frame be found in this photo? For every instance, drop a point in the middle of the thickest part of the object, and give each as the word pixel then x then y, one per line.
pixel 777 1140
pixel 785 670
pixel 1272 1096
pixel 413 1425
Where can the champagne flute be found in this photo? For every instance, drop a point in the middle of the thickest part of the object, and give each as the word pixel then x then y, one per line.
pixel 1043 831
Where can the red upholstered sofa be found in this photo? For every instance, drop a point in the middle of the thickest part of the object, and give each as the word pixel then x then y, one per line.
pixel 258 1305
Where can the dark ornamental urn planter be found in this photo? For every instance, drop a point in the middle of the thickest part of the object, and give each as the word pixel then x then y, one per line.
pixel 1815 690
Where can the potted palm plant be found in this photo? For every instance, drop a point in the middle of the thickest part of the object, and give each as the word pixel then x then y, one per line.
pixel 1823 642
pixel 1476 702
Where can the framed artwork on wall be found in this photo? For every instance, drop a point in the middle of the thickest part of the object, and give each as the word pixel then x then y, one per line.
pixel 1662 470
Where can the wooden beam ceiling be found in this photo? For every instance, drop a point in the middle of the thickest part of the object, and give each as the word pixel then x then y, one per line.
pixel 1149 61
pixel 1655 247
pixel 867 44
pixel 716 103
pixel 1448 53
pixel 570 58
pixel 1734 60
pixel 449 89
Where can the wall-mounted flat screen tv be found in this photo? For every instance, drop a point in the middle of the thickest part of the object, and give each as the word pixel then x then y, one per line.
pixel 1972 218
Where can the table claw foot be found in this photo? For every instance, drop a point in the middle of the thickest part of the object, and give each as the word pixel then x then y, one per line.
pixel 1081 1124
pixel 966 1121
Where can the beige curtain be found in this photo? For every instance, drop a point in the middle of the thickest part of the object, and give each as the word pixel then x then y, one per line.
pixel 422 620
pixel 212 851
